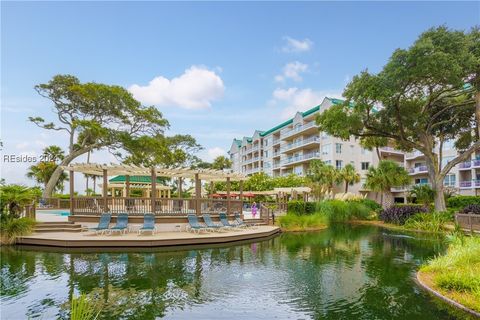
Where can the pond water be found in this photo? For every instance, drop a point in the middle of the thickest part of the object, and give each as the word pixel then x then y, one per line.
pixel 345 272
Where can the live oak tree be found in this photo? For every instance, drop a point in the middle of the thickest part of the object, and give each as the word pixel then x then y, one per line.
pixel 98 116
pixel 424 96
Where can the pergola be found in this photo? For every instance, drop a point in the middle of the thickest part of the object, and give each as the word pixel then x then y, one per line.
pixel 179 173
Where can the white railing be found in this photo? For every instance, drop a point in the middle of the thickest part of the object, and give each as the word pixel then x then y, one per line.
pixel 298 129
pixel 302 157
pixel 301 143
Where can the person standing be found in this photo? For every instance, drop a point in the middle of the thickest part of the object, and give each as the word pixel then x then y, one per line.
pixel 254 209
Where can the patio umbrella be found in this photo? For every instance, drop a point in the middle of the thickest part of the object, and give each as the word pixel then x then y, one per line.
pixel 216 195
pixel 233 195
pixel 248 195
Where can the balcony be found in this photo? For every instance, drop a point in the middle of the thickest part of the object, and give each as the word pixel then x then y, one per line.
pixel 277 165
pixel 276 141
pixel 413 155
pixel 277 153
pixel 298 129
pixel 398 189
pixel 301 143
pixel 391 150
pixel 470 184
pixel 467 165
pixel 302 157
pixel 418 170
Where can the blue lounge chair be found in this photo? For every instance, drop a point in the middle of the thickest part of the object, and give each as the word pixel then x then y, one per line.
pixel 225 223
pixel 239 222
pixel 103 223
pixel 209 222
pixel 194 225
pixel 122 224
pixel 148 224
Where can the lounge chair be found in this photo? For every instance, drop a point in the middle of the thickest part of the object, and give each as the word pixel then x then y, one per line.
pixel 239 222
pixel 209 222
pixel 148 224
pixel 103 223
pixel 225 223
pixel 194 225
pixel 122 224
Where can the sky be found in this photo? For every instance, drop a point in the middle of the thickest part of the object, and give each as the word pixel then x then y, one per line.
pixel 216 70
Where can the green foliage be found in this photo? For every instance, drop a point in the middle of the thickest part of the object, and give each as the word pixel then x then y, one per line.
pixel 294 222
pixel 459 202
pixel 341 211
pixel 221 162
pixel 399 213
pixel 14 197
pixel 11 227
pixel 326 176
pixel 348 175
pixel 43 171
pixel 423 193
pixel 428 221
pixel 458 270
pixel 299 207
pixel 372 204
pixel 83 309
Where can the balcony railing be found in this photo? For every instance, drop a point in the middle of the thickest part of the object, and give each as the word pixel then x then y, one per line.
pixel 302 157
pixel 298 129
pixel 390 149
pixel 301 143
pixel 470 184
pixel 470 164
pixel 420 169
pixel 276 141
pixel 412 155
pixel 277 165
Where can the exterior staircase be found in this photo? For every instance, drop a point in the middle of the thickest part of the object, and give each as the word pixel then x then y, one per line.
pixel 42 227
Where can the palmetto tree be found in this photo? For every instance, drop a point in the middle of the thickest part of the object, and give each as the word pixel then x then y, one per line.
pixel 349 175
pixel 381 179
pixel 323 174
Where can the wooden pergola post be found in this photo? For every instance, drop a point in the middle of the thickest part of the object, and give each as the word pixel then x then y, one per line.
pixel 153 191
pixel 127 186
pixel 241 191
pixel 71 192
pixel 179 189
pixel 228 196
pixel 105 190
pixel 198 195
pixel 212 184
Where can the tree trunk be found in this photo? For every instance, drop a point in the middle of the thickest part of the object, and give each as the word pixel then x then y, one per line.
pixel 477 111
pixel 387 199
pixel 436 179
pixel 346 186
pixel 47 193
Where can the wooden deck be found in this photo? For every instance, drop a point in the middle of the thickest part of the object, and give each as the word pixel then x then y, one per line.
pixel 161 239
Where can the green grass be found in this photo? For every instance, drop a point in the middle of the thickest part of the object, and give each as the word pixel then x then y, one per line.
pixel 457 273
pixel 433 222
pixel 293 222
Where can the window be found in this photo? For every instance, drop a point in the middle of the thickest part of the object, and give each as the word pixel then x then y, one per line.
pixel 421 181
pixel 338 147
pixel 365 165
pixel 324 135
pixel 449 180
pixel 298 170
pixel 265 154
pixel 326 149
pixel 338 164
pixel 265 142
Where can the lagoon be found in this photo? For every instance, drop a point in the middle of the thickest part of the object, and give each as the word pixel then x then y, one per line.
pixel 344 272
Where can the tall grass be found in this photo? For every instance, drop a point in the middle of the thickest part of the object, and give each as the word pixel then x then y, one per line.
pixel 10 228
pixel 432 222
pixel 82 309
pixel 458 271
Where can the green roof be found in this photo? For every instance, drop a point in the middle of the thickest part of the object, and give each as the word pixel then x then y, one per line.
pixel 135 179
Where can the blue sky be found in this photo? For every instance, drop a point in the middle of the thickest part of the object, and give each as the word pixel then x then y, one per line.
pixel 222 69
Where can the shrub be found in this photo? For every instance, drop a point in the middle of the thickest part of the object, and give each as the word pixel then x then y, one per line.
pixel 301 207
pixel 398 214
pixel 11 228
pixel 371 204
pixel 296 222
pixel 471 208
pixel 433 222
pixel 462 201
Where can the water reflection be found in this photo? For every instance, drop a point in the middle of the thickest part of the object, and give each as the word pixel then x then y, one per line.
pixel 348 272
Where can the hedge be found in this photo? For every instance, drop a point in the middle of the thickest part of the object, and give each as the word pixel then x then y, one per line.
pixel 461 202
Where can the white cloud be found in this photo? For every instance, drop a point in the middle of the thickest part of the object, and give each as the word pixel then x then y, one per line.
pixel 196 88
pixel 294 45
pixel 212 153
pixel 292 70
pixel 292 100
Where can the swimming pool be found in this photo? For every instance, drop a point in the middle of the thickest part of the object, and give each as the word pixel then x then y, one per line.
pixel 58 212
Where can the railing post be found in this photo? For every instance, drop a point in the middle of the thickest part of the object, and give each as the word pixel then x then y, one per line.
pixel 198 195
pixel 105 190
pixel 153 191
pixel 228 197
pixel 72 209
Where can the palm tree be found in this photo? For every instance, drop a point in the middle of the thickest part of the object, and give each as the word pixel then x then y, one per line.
pixel 43 171
pixel 221 162
pixel 14 197
pixel 323 174
pixel 381 179
pixel 349 175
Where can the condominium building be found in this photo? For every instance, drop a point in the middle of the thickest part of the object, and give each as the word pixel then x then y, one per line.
pixel 290 146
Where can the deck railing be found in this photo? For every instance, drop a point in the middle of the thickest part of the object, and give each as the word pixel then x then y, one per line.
pixel 53 203
pixel 162 207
